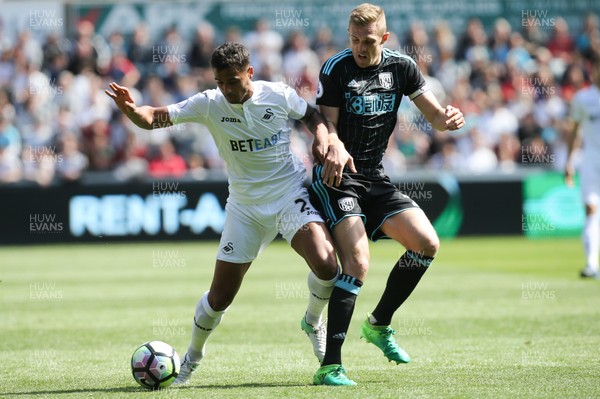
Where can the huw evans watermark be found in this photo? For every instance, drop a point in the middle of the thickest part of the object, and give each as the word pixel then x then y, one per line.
pixel 290 18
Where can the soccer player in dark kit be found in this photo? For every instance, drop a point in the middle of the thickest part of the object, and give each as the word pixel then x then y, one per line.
pixel 359 93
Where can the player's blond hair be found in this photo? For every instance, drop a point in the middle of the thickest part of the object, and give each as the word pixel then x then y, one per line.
pixel 367 13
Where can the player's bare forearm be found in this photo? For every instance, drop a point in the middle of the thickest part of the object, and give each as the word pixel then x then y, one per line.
pixel 336 157
pixel 571 141
pixel 449 118
pixel 317 126
pixel 141 116
pixel 145 116
pixel 148 117
pixel 315 123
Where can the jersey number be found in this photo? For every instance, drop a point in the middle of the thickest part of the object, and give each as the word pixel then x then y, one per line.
pixel 303 207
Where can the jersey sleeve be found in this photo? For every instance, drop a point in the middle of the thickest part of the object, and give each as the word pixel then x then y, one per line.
pixel 296 105
pixel 329 92
pixel 577 112
pixel 194 109
pixel 415 82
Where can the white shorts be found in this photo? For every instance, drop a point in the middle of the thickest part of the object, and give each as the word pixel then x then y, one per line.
pixel 250 228
pixel 590 182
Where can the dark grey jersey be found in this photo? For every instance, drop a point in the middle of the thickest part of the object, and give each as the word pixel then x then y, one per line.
pixel 368 99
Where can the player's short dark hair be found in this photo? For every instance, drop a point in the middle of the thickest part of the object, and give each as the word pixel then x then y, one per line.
pixel 231 55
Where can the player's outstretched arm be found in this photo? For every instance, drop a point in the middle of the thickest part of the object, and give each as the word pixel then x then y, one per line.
pixel 145 116
pixel 441 119
pixel 336 157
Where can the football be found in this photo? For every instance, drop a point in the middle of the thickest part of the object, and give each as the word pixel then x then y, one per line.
pixel 155 365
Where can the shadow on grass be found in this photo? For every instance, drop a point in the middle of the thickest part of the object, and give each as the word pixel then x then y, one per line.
pixel 141 390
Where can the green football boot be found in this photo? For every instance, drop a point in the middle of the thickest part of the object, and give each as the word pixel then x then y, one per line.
pixel 381 337
pixel 332 374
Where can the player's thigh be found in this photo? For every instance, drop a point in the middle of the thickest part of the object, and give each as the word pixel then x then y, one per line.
pixel 335 203
pixel 303 227
pixel 243 235
pixel 314 243
pixel 226 283
pixel 352 245
pixel 413 230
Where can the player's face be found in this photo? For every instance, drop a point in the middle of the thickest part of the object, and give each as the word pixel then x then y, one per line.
pixel 366 43
pixel 235 85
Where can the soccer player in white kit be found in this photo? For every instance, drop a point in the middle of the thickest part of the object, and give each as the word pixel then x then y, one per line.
pixel 249 123
pixel 585 113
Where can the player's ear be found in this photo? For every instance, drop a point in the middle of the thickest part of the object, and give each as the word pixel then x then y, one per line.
pixel 385 36
pixel 250 71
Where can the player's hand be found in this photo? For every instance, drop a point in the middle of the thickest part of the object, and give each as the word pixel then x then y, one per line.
pixel 122 97
pixel 454 118
pixel 336 159
pixel 569 174
pixel 319 150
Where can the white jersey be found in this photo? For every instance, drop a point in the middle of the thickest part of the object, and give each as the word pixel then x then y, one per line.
pixel 253 138
pixel 585 109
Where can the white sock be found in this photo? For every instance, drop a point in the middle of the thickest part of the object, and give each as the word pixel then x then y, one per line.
pixel 205 321
pixel 320 291
pixel 372 320
pixel 591 241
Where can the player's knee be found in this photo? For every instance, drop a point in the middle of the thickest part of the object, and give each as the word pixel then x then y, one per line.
pixel 357 266
pixel 427 246
pixel 219 301
pixel 431 246
pixel 324 263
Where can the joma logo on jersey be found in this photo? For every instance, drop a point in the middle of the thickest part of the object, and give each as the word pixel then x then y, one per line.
pixel 268 116
pixel 370 105
pixel 230 119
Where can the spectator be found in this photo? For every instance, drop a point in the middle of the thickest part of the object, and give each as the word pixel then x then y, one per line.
pixel 133 166
pixel 500 40
pixel 265 47
pixel 561 44
pixel 97 146
pixel 167 163
pixel 38 164
pixel 481 159
pixel 84 54
pixel 448 159
pixel 496 119
pixel 588 42
pixel 11 135
pixel 139 50
pixel 508 152
pixel 10 164
pixel 71 162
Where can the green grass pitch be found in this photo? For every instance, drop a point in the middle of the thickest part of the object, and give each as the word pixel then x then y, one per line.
pixel 493 318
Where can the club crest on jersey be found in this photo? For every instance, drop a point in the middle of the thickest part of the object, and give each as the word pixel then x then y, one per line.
pixel 268 116
pixel 346 204
pixel 386 80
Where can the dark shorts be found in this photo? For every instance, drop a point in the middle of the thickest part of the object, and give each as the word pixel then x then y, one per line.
pixel 374 200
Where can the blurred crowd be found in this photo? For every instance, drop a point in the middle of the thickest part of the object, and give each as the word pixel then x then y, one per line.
pixel 513 83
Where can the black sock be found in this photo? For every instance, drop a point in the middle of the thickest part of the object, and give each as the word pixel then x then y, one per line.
pixel 339 313
pixel 403 279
